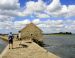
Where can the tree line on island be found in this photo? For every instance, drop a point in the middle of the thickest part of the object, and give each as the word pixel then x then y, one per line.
pixel 64 33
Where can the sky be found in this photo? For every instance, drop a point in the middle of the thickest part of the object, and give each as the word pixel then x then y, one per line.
pixel 52 16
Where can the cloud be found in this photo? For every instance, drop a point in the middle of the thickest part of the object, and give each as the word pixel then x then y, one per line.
pixel 71 10
pixel 54 9
pixel 10 25
pixel 6 22
pixel 33 7
pixel 36 21
pixel 48 26
pixel 20 24
pixel 43 25
pixel 42 15
pixel 11 13
pixel 11 8
pixel 9 4
pixel 37 7
pixel 6 18
pixel 8 10
pixel 6 25
pixel 54 6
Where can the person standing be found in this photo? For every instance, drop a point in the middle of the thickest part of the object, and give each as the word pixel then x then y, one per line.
pixel 10 39
pixel 19 35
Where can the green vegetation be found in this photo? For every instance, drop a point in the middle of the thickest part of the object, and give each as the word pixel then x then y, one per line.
pixel 60 33
pixel 69 33
pixel 4 37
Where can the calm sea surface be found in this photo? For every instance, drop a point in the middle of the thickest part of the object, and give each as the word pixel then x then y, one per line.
pixel 61 45
pixel 3 44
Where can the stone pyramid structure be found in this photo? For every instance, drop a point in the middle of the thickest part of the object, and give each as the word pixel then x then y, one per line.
pixel 31 31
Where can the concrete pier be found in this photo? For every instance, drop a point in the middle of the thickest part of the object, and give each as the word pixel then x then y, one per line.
pixel 31 50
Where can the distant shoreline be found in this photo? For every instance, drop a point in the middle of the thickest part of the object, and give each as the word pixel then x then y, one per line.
pixel 57 34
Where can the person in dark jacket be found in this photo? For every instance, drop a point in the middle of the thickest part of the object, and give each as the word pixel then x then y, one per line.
pixel 10 39
pixel 17 37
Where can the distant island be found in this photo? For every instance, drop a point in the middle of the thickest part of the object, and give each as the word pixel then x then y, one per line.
pixel 63 33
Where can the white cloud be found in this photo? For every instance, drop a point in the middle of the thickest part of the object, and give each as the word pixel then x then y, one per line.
pixel 11 13
pixel 32 7
pixel 56 25
pixel 54 6
pixel 54 9
pixel 56 22
pixel 6 25
pixel 36 21
pixel 8 10
pixel 71 9
pixel 11 8
pixel 21 24
pixel 57 10
pixel 49 23
pixel 43 25
pixel 9 4
pixel 6 18
pixel 47 26
pixel 35 6
pixel 42 15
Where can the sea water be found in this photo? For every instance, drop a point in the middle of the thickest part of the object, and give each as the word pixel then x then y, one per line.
pixel 60 45
pixel 3 44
